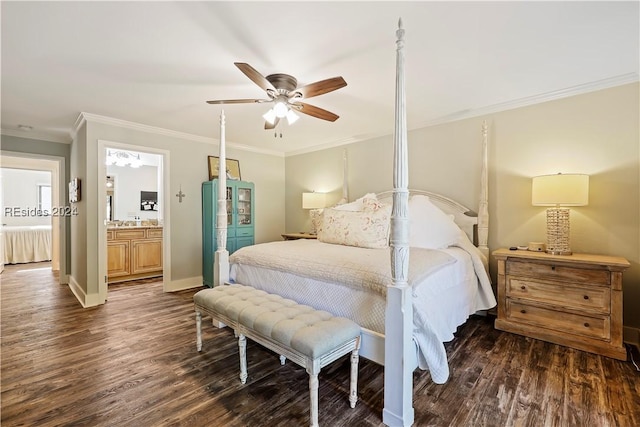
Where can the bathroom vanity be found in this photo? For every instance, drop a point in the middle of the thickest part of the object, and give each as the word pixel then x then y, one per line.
pixel 133 252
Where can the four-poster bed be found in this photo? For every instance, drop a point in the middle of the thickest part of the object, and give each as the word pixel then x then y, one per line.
pixel 401 339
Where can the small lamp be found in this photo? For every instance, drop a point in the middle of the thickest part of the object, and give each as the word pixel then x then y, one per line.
pixel 559 190
pixel 315 202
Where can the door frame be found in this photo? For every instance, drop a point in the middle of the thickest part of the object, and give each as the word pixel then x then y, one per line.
pixel 55 165
pixel 103 145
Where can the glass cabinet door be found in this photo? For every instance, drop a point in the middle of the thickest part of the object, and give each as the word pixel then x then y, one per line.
pixel 229 207
pixel 244 206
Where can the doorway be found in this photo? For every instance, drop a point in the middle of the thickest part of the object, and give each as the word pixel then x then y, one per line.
pixel 47 193
pixel 133 214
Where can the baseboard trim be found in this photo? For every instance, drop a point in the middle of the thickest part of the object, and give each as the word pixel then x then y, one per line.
pixel 182 284
pixel 86 300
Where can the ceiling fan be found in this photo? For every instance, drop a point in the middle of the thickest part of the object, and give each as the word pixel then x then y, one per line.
pixel 283 91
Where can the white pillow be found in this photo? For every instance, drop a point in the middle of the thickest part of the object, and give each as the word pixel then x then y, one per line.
pixel 430 228
pixel 356 205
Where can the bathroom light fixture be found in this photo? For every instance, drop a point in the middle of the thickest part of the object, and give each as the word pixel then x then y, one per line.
pixel 123 158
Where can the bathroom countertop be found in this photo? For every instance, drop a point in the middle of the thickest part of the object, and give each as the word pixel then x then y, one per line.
pixel 119 227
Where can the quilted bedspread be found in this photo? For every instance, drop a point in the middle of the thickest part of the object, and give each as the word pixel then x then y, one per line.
pixel 352 266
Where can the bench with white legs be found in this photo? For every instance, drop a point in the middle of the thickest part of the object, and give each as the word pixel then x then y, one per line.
pixel 309 337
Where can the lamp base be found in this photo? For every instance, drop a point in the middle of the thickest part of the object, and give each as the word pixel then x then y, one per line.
pixel 558 231
pixel 314 214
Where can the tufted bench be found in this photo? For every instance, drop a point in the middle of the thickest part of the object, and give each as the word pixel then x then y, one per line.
pixel 311 338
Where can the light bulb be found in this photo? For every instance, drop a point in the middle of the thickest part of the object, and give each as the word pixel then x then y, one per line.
pixel 292 117
pixel 270 116
pixel 280 109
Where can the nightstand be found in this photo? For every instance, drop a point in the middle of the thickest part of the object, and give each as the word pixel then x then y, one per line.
pixel 572 300
pixel 296 236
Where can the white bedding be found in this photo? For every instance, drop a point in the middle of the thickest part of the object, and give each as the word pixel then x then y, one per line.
pixel 24 244
pixel 443 300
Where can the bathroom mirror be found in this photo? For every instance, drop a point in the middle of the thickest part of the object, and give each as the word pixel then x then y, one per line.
pixel 111 208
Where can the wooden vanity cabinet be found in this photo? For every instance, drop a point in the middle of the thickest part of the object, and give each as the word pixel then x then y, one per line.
pixel 134 253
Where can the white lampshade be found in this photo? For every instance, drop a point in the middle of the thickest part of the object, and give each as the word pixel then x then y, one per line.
pixel 560 190
pixel 314 200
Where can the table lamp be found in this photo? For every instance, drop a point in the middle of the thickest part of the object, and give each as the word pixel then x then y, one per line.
pixel 559 190
pixel 315 202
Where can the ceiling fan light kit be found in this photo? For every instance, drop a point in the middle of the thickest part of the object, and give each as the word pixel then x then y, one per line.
pixel 283 91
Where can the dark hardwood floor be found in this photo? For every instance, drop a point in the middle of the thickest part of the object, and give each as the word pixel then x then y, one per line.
pixel 133 362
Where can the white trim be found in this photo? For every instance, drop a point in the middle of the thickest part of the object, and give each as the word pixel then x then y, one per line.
pixel 86 300
pixel 182 284
pixel 88 117
pixel 56 165
pixel 490 109
pixel 35 135
pixel 536 99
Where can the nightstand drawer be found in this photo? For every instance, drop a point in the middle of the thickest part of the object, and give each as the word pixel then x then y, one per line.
pixel 588 326
pixel 592 298
pixel 557 271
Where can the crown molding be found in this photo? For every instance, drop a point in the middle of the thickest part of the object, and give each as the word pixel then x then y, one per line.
pixel 95 118
pixel 536 99
pixel 35 135
pixel 333 144
pixel 491 109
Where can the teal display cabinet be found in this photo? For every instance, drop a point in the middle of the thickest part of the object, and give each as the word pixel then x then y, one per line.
pixel 240 221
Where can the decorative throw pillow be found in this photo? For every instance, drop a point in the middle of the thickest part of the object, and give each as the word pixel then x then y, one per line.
pixel 368 228
pixel 430 228
pixel 356 205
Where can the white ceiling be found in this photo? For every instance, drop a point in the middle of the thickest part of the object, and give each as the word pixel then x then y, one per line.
pixel 156 63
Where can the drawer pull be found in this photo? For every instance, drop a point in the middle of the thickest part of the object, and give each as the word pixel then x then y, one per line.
pixel 586 297
pixel 523 287
pixel 523 311
pixel 586 324
pixel 553 267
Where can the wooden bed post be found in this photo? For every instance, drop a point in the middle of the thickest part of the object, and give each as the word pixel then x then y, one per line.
pixel 221 258
pixel 483 208
pixel 399 348
pixel 345 177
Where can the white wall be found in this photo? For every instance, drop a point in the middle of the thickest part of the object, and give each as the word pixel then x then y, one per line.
pixel 595 133
pixel 20 190
pixel 128 183
pixel 187 169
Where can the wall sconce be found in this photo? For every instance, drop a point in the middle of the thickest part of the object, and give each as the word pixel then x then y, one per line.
pixel 315 202
pixel 559 190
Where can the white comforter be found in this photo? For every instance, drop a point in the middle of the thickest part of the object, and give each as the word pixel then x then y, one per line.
pixel 354 267
pixel 447 286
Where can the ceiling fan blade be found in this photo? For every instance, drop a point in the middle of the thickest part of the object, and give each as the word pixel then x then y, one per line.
pixel 238 101
pixel 255 76
pixel 269 126
pixel 312 110
pixel 321 87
